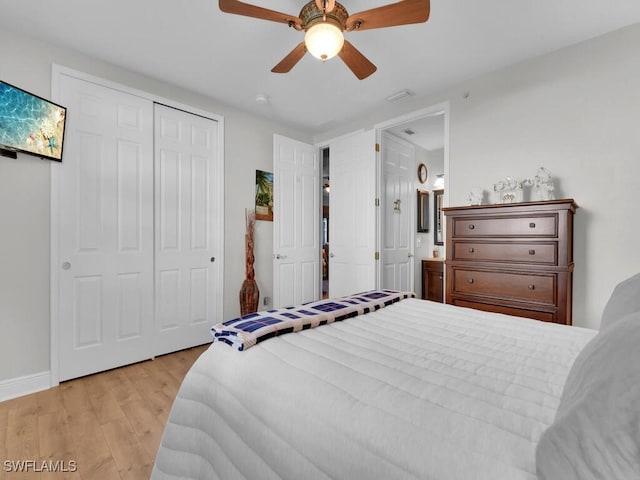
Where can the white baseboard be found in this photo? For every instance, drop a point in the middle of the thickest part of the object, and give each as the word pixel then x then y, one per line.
pixel 17 387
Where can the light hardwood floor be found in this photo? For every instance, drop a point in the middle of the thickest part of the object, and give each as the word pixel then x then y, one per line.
pixel 107 425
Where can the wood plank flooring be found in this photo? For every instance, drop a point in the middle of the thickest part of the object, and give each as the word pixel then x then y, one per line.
pixel 103 426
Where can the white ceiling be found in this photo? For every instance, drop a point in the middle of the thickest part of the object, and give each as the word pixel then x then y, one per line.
pixel 428 131
pixel 193 44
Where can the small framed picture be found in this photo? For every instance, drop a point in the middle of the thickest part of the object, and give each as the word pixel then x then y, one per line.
pixel 264 195
pixel 423 211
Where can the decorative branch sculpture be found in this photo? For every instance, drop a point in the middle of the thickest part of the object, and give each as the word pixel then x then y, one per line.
pixel 249 293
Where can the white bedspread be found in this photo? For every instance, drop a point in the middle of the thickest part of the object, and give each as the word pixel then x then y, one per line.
pixel 415 390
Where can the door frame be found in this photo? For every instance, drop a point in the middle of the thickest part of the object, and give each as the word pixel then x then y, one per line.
pixel 57 71
pixel 436 109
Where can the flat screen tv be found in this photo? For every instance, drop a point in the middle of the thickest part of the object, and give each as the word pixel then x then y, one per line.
pixel 30 124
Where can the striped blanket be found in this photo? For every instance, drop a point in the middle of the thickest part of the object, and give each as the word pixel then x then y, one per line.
pixel 244 332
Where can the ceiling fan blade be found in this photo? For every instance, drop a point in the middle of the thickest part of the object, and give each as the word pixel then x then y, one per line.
pixel 288 62
pixel 400 13
pixel 241 8
pixel 357 62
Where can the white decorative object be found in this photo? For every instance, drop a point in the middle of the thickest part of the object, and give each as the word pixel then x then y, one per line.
pixel 543 185
pixel 475 196
pixel 508 190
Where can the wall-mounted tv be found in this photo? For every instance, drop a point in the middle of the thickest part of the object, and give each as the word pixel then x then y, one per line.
pixel 30 124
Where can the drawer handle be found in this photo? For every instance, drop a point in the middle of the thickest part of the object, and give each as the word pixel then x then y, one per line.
pixel 470 280
pixel 532 252
pixel 472 226
pixel 531 287
pixel 472 250
pixel 532 225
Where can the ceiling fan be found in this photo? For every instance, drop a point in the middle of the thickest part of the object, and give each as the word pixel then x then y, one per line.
pixel 324 22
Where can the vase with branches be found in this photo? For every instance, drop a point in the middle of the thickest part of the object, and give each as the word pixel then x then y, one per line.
pixel 249 293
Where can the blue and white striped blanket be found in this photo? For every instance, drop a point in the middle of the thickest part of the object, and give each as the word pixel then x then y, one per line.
pixel 244 332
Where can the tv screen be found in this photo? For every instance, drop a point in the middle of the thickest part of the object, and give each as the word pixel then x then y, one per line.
pixel 30 124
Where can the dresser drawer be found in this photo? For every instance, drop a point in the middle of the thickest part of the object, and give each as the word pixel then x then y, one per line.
pixel 512 226
pixel 516 312
pixel 532 253
pixel 505 285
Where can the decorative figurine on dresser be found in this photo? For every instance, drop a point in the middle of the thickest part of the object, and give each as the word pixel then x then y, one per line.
pixel 514 258
pixel 543 185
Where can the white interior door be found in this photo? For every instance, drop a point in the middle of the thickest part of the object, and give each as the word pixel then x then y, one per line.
pixel 187 228
pixel 352 219
pixel 398 201
pixel 296 222
pixel 105 229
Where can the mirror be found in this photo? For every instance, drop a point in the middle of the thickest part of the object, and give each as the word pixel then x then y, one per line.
pixel 423 211
pixel 438 233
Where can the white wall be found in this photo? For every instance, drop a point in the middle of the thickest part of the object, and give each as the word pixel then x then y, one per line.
pixel 25 202
pixel 576 112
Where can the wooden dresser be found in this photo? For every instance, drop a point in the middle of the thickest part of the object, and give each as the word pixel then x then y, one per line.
pixel 515 258
pixel 433 279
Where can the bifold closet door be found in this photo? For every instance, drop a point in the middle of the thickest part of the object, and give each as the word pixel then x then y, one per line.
pixel 138 218
pixel 188 228
pixel 105 230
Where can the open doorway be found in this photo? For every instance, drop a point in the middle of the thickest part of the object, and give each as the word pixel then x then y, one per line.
pixel 324 228
pixel 426 131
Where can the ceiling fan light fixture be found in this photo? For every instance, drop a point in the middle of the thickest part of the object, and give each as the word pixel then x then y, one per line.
pixel 324 40
pixel 324 22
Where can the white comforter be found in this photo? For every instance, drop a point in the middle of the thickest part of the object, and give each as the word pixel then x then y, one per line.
pixel 415 390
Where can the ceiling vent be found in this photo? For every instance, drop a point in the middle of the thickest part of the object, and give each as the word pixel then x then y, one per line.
pixel 401 95
pixel 408 131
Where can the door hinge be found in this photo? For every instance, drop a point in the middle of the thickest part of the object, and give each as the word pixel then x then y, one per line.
pixel 377 202
pixel 377 147
pixel 377 255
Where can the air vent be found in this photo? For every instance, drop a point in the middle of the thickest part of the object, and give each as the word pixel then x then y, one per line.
pixel 401 95
pixel 408 131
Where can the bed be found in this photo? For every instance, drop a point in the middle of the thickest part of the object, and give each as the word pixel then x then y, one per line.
pixel 414 390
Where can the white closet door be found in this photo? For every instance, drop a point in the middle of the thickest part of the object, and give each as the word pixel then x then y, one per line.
pixel 188 227
pixel 105 229
pixel 352 218
pixel 296 222
pixel 398 200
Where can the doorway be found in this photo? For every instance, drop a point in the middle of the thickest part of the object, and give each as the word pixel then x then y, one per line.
pixel 428 134
pixel 326 192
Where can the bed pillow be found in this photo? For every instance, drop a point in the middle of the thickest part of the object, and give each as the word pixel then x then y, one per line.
pixel 596 433
pixel 624 300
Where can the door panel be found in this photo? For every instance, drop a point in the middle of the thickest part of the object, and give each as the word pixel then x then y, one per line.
pixel 398 213
pixel 88 298
pixel 186 235
pixel 352 222
pixel 129 313
pixel 106 229
pixel 296 222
